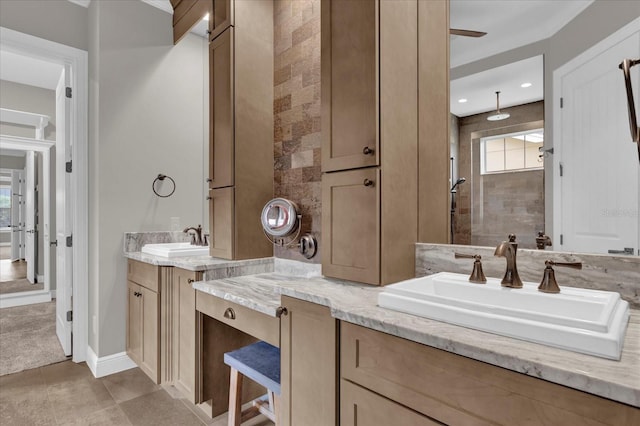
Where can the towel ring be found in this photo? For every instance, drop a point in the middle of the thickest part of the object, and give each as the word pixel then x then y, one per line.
pixel 161 178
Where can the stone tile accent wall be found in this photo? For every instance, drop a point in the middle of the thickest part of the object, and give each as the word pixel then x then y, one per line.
pixel 296 108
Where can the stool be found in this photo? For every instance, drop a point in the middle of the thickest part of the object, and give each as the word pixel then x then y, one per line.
pixel 259 362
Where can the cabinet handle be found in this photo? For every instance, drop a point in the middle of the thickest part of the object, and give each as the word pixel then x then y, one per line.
pixel 368 182
pixel 230 314
pixel 190 281
pixel 209 180
pixel 209 198
pixel 368 151
pixel 281 311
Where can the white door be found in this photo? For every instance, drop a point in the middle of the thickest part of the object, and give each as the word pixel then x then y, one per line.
pixel 30 218
pixel 16 214
pixel 64 254
pixel 600 172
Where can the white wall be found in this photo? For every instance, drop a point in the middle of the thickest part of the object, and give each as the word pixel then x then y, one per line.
pixel 146 118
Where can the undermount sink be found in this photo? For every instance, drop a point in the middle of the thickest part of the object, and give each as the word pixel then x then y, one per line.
pixel 580 320
pixel 175 250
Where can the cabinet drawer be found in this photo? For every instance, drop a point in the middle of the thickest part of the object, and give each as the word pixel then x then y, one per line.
pixel 244 319
pixel 360 407
pixel 457 390
pixel 144 274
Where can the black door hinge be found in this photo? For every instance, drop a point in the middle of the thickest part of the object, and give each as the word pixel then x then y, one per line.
pixel 561 239
pixel 68 92
pixel 561 102
pixel 561 170
pixel 69 241
pixel 69 316
pixel 68 166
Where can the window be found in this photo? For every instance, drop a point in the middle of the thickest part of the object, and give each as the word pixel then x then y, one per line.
pixel 5 206
pixel 512 152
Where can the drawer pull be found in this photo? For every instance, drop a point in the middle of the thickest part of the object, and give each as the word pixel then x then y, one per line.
pixel 367 151
pixel 368 182
pixel 281 311
pixel 190 281
pixel 230 314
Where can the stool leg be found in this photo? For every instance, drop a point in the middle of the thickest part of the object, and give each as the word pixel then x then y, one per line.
pixel 275 406
pixel 235 398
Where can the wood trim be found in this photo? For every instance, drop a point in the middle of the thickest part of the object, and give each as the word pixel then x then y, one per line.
pixel 167 313
pixel 218 24
pixel 458 390
pixel 433 125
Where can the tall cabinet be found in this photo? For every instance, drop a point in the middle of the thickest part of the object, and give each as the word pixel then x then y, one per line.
pixel 375 130
pixel 241 127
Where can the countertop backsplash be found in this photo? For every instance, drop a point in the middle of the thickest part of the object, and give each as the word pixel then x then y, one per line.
pixel 133 241
pixel 599 272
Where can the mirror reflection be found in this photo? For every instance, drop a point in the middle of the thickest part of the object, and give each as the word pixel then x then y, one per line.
pixel 521 163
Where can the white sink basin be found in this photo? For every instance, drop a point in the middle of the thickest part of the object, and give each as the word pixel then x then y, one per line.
pixel 580 320
pixel 175 250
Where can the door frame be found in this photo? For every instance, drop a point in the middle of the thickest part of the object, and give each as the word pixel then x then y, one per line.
pixel 558 74
pixel 77 59
pixel 43 147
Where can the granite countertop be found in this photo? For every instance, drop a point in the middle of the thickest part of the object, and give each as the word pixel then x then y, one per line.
pixel 199 263
pixel 357 304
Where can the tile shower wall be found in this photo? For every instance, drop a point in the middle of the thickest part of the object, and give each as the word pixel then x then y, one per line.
pixel 508 200
pixel 296 108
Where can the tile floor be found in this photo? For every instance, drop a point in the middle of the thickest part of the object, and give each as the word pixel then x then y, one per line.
pixel 67 394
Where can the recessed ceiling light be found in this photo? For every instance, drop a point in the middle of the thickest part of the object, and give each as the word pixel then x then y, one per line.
pixel 525 85
pixel 463 100
pixel 206 18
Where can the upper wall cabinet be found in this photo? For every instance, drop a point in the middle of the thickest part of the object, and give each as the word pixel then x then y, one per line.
pixel 222 17
pixel 186 14
pixel 241 127
pixel 379 92
pixel 350 83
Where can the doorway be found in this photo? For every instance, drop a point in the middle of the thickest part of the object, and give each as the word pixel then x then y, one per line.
pixel 71 235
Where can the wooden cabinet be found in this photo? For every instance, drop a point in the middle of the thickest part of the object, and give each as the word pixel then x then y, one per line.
pixel 143 318
pixel 351 223
pixel 361 407
pixel 241 127
pixel 186 14
pixel 223 326
pixel 370 103
pixel 453 389
pixel 183 332
pixel 309 364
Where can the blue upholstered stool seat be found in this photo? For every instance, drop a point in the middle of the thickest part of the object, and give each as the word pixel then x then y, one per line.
pixel 260 362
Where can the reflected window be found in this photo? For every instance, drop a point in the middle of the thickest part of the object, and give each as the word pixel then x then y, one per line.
pixel 512 152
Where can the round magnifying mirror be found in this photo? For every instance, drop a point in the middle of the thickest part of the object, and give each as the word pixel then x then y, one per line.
pixel 279 217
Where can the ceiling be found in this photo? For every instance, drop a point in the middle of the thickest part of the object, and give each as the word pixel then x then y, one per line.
pixel 30 71
pixel 509 24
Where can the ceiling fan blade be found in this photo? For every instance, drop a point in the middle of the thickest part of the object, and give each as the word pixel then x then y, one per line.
pixel 466 33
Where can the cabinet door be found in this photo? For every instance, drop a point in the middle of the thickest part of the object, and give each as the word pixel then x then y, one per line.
pixel 184 327
pixel 134 322
pixel 350 84
pixel 221 101
pixel 221 18
pixel 221 222
pixel 361 407
pixel 186 14
pixel 150 357
pixel 308 354
pixel 351 222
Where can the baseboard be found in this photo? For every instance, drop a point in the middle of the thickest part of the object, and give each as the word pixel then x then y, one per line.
pixel 10 300
pixel 40 278
pixel 109 364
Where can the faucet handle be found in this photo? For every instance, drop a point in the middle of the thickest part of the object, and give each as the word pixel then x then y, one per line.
pixel 477 275
pixel 205 239
pixel 549 283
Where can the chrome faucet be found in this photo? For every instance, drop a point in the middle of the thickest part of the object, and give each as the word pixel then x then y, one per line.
pixel 509 249
pixel 196 235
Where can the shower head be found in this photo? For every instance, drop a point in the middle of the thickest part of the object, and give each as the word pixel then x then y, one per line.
pixel 458 182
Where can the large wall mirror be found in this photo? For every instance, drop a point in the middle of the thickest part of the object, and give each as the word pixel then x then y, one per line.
pixel 539 125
